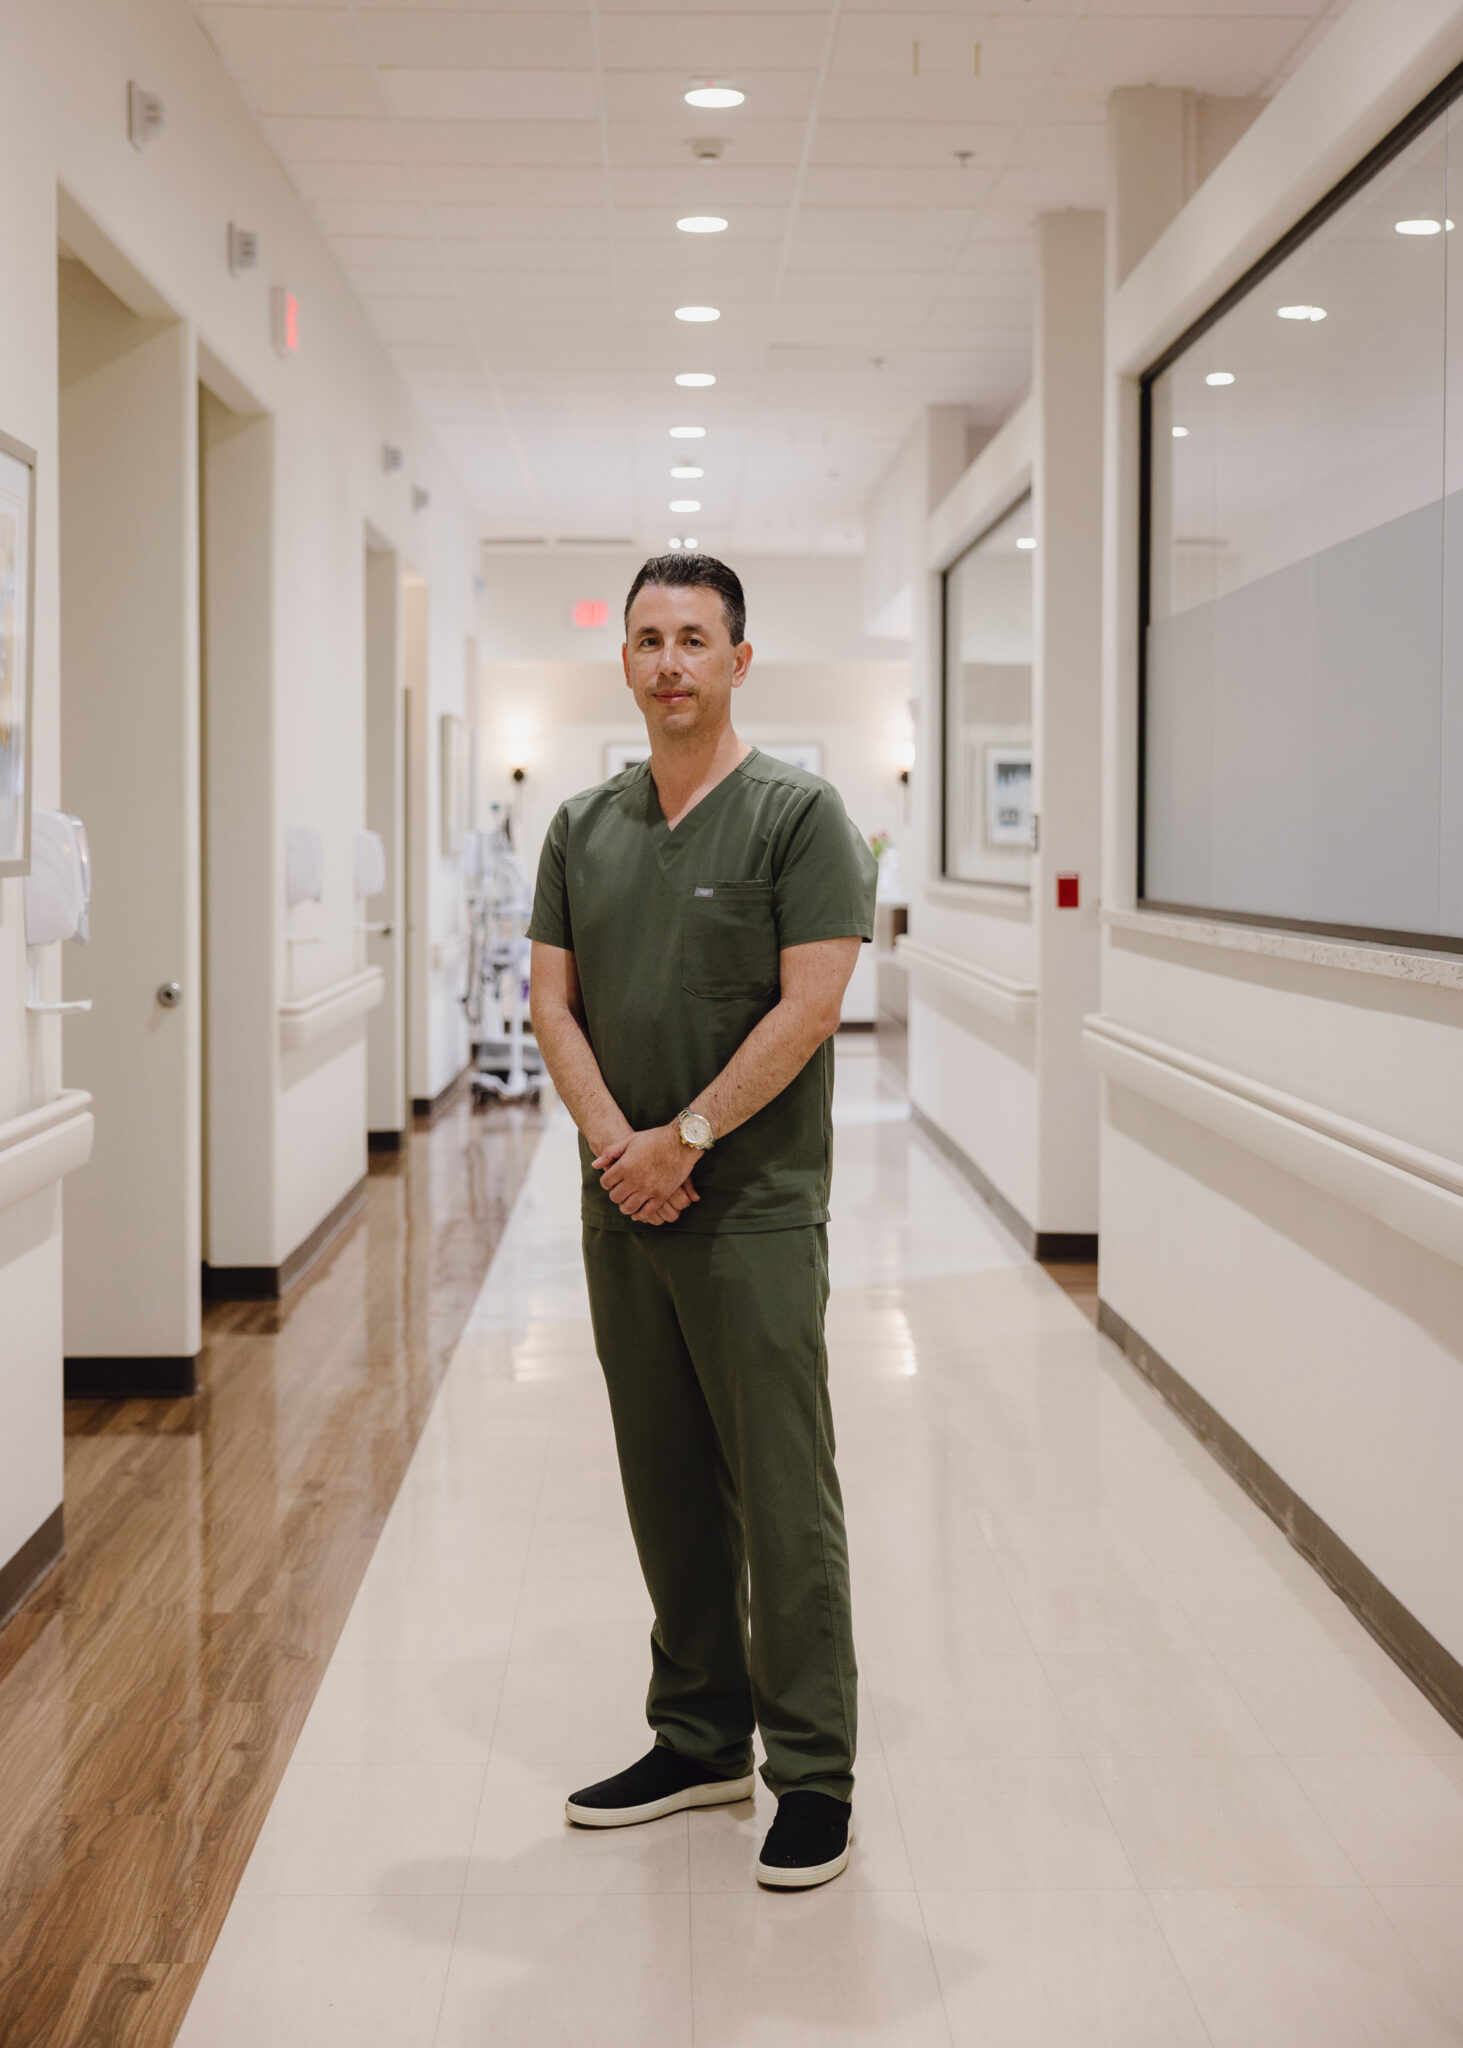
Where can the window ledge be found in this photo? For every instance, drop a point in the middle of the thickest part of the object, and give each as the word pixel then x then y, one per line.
pixel 1357 956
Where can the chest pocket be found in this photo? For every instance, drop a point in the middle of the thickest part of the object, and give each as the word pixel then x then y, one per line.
pixel 729 948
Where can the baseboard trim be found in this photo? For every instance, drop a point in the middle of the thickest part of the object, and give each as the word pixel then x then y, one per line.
pixel 129 1379
pixel 269 1283
pixel 35 1560
pixel 858 1024
pixel 384 1141
pixel 1064 1247
pixel 1431 1667
pixel 427 1108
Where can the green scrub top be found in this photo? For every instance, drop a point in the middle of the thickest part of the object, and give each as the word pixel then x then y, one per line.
pixel 675 937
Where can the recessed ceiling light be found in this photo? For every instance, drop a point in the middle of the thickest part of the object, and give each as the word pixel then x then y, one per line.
pixel 686 470
pixel 695 380
pixel 698 313
pixel 675 541
pixel 701 224
pixel 1423 227
pixel 691 541
pixel 1220 377
pixel 1301 312
pixel 688 433
pixel 1179 433
pixel 712 94
pixel 1026 542
pixel 684 505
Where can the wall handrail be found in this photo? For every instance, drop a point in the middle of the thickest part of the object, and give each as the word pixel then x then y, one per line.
pixel 308 1018
pixel 1413 1191
pixel 41 1145
pixel 1014 1002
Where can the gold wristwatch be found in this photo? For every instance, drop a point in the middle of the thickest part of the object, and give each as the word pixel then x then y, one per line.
pixel 695 1130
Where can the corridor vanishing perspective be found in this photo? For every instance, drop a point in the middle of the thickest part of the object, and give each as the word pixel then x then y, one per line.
pixel 1130 1774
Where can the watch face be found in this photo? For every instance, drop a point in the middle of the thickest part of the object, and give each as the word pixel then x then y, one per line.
pixel 695 1129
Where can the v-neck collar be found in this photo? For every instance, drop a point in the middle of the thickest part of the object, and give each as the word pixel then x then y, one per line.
pixel 668 841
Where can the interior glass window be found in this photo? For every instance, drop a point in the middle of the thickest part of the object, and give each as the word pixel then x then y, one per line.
pixel 988 816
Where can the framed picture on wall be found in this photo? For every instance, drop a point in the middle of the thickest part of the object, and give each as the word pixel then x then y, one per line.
pixel 17 652
pixel 1008 796
pixel 623 754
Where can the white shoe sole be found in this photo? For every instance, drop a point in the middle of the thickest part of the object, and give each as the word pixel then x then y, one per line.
pixel 720 1792
pixel 780 1880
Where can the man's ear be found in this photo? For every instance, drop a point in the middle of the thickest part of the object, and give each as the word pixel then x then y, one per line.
pixel 741 662
pixel 625 664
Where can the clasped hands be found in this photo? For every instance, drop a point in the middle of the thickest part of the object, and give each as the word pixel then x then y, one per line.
pixel 647 1174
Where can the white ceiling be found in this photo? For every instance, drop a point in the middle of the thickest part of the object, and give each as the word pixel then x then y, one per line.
pixel 502 182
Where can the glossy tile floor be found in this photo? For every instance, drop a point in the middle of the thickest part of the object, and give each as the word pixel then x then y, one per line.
pixel 1130 1775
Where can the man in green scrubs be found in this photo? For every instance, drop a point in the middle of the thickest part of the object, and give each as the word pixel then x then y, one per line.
pixel 696 923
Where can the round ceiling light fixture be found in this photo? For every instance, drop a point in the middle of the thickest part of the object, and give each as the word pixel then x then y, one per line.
pixel 684 505
pixel 1026 543
pixel 1179 433
pixel 698 312
pixel 685 471
pixel 701 224
pixel 1217 377
pixel 714 92
pixel 688 433
pixel 1301 312
pixel 695 380
pixel 1423 227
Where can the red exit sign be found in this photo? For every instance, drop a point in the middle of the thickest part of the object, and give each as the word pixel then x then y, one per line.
pixel 589 614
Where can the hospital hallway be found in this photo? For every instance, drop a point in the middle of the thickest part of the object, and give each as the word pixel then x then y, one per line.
pixel 1129 1772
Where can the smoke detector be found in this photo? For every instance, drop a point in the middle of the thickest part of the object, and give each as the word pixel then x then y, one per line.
pixel 707 149
pixel 243 248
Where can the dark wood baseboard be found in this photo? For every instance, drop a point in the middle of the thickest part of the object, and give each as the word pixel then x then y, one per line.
pixel 38 1556
pixel 269 1283
pixel 858 1024
pixel 384 1141
pixel 1065 1247
pixel 427 1108
pixel 129 1379
pixel 1431 1667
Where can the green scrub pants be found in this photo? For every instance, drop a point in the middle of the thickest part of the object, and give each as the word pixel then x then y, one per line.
pixel 713 1352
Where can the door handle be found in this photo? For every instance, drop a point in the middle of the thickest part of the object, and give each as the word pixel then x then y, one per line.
pixel 170 995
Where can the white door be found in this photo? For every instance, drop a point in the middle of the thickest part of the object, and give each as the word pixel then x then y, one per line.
pixel 130 770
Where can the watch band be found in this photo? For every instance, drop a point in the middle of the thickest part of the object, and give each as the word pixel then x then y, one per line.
pixel 693 1117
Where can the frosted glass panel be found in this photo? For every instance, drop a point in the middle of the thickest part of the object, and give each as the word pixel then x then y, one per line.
pixel 987 750
pixel 1304 646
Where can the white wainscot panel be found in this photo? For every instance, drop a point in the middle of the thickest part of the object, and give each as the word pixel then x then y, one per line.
pixel 44 1144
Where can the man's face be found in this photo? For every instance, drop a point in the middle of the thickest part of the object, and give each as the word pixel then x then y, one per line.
pixel 680 662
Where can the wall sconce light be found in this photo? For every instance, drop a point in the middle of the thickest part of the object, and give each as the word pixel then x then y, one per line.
pixel 145 115
pixel 904 760
pixel 243 248
pixel 520 775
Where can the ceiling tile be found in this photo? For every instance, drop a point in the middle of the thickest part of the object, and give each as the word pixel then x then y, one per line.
pixel 304 140
pixel 446 95
pixel 551 143
pixel 305 36
pixel 539 38
pixel 711 45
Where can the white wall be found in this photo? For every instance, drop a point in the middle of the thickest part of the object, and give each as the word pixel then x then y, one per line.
pixel 161 218
pixel 1015 1096
pixel 1331 1342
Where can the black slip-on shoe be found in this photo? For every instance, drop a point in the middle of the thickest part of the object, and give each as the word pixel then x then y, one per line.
pixel 807 1843
pixel 660 1783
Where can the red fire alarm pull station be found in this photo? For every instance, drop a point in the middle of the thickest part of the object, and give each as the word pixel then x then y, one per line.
pixel 1069 892
pixel 589 613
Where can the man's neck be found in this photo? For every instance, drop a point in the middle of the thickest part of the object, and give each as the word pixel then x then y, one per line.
pixel 685 771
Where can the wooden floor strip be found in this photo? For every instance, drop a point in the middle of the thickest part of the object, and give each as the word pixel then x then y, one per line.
pixel 152 1689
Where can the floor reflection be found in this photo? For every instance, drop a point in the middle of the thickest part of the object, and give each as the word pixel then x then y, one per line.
pixel 153 1689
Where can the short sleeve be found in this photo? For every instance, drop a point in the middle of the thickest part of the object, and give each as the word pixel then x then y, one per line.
pixel 823 882
pixel 551 924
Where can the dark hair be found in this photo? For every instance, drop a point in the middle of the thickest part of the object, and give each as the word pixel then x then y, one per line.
pixel 696 572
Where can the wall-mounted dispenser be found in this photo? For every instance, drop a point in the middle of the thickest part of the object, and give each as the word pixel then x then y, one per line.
pixel 304 865
pixel 370 872
pixel 57 894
